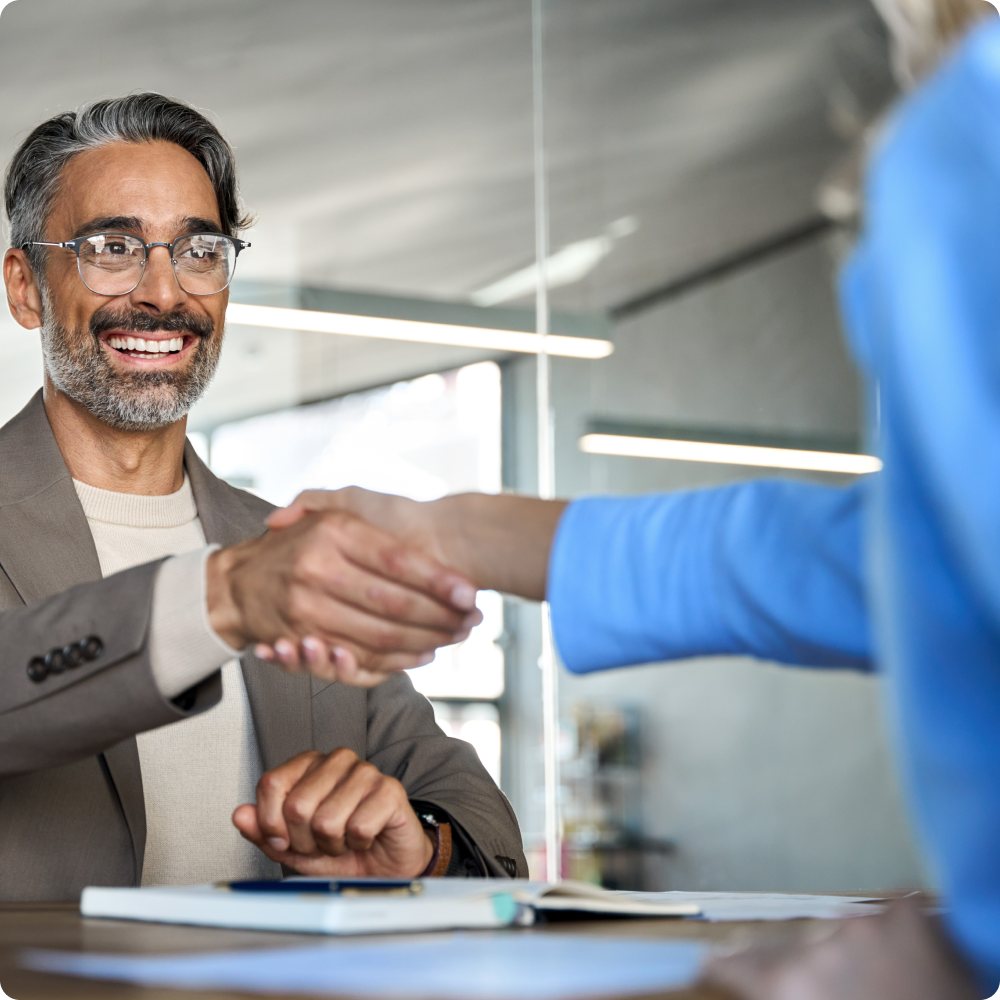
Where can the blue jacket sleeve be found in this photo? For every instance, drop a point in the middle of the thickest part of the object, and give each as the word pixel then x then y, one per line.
pixel 766 568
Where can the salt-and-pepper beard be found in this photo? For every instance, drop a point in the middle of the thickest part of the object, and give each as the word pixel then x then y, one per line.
pixel 128 400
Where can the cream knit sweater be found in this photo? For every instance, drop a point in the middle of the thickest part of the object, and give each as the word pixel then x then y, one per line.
pixel 195 772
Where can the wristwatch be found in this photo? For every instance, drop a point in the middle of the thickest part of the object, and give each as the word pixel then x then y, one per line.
pixel 440 836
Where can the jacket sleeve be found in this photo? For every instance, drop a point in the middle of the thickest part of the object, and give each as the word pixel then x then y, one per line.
pixel 766 568
pixel 404 741
pixel 98 687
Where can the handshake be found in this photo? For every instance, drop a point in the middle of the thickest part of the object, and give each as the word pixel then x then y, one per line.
pixel 353 586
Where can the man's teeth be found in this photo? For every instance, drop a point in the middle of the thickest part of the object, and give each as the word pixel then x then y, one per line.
pixel 149 348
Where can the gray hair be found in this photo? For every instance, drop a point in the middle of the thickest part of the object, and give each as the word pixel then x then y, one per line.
pixel 923 32
pixel 32 179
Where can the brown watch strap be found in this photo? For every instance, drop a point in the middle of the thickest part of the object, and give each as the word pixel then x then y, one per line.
pixel 443 851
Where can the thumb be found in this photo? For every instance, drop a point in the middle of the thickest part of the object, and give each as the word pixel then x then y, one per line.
pixel 306 502
pixel 245 820
pixel 285 517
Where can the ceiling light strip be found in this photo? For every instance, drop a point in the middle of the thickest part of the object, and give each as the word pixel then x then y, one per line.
pixel 729 454
pixel 383 328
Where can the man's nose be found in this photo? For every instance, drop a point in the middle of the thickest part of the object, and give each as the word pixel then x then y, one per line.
pixel 158 288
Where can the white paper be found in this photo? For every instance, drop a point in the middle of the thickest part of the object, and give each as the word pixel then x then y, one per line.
pixel 722 906
pixel 486 966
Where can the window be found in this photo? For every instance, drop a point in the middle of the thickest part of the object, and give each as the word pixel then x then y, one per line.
pixel 423 439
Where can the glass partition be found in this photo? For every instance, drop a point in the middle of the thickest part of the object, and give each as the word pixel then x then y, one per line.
pixel 702 163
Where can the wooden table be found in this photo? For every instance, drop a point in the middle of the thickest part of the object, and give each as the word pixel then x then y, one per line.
pixel 60 926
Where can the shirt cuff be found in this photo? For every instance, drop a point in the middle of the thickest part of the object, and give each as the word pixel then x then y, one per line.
pixel 184 649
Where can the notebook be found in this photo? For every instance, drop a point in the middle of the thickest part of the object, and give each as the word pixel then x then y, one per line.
pixel 368 906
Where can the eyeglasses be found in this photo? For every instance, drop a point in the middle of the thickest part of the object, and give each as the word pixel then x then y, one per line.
pixel 114 263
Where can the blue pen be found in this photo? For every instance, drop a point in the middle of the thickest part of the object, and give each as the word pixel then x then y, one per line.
pixel 339 887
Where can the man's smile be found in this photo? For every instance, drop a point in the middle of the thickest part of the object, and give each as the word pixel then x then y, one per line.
pixel 156 349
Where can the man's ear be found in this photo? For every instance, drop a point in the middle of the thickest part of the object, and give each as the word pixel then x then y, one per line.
pixel 23 294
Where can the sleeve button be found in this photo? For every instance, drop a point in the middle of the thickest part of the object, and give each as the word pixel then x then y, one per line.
pixel 37 671
pixel 54 661
pixel 91 647
pixel 73 655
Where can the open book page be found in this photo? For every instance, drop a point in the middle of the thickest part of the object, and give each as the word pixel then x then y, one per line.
pixel 567 896
pixel 584 897
pixel 766 905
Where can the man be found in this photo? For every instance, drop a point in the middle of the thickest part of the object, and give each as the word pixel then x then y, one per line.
pixel 900 570
pixel 133 726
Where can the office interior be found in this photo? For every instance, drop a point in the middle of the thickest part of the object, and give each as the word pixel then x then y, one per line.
pixel 693 167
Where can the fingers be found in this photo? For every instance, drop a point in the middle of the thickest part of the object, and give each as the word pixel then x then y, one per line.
pixel 308 500
pixel 391 559
pixel 333 582
pixel 353 565
pixel 361 668
pixel 335 824
pixel 335 814
pixel 353 499
pixel 245 820
pixel 332 617
pixel 345 663
pixel 272 791
pixel 316 784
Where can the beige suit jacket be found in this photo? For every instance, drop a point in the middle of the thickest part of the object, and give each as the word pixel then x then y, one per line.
pixel 71 803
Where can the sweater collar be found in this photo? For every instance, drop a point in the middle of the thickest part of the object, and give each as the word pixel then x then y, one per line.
pixel 134 511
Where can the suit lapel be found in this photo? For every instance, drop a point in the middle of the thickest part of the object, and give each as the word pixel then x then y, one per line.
pixel 45 541
pixel 46 547
pixel 280 703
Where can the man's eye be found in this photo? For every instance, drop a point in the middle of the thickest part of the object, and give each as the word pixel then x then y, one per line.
pixel 200 251
pixel 117 248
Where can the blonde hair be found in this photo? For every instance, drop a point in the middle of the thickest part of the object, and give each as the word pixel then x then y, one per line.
pixel 924 31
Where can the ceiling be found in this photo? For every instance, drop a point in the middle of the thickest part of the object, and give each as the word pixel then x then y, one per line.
pixel 387 147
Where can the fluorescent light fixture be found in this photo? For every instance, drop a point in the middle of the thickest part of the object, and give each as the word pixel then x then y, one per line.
pixel 565 267
pixel 407 329
pixel 729 454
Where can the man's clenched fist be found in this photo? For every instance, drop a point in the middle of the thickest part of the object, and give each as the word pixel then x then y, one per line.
pixel 336 815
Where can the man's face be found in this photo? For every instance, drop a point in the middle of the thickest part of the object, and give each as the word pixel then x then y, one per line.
pixel 157 192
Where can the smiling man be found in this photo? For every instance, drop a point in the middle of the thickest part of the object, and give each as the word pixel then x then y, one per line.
pixel 135 583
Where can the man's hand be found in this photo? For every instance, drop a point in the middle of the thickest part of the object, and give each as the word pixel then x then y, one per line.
pixel 335 815
pixel 899 955
pixel 338 597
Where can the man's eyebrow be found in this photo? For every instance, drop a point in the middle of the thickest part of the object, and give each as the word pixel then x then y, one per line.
pixel 110 224
pixel 194 225
pixel 133 224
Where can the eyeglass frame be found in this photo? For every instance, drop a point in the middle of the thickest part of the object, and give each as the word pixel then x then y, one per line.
pixel 75 245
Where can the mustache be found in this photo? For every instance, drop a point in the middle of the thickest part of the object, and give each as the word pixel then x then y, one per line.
pixel 140 322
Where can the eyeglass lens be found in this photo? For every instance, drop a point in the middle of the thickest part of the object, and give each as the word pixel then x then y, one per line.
pixel 112 264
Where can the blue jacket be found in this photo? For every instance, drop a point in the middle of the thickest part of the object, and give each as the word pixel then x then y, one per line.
pixel 901 570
